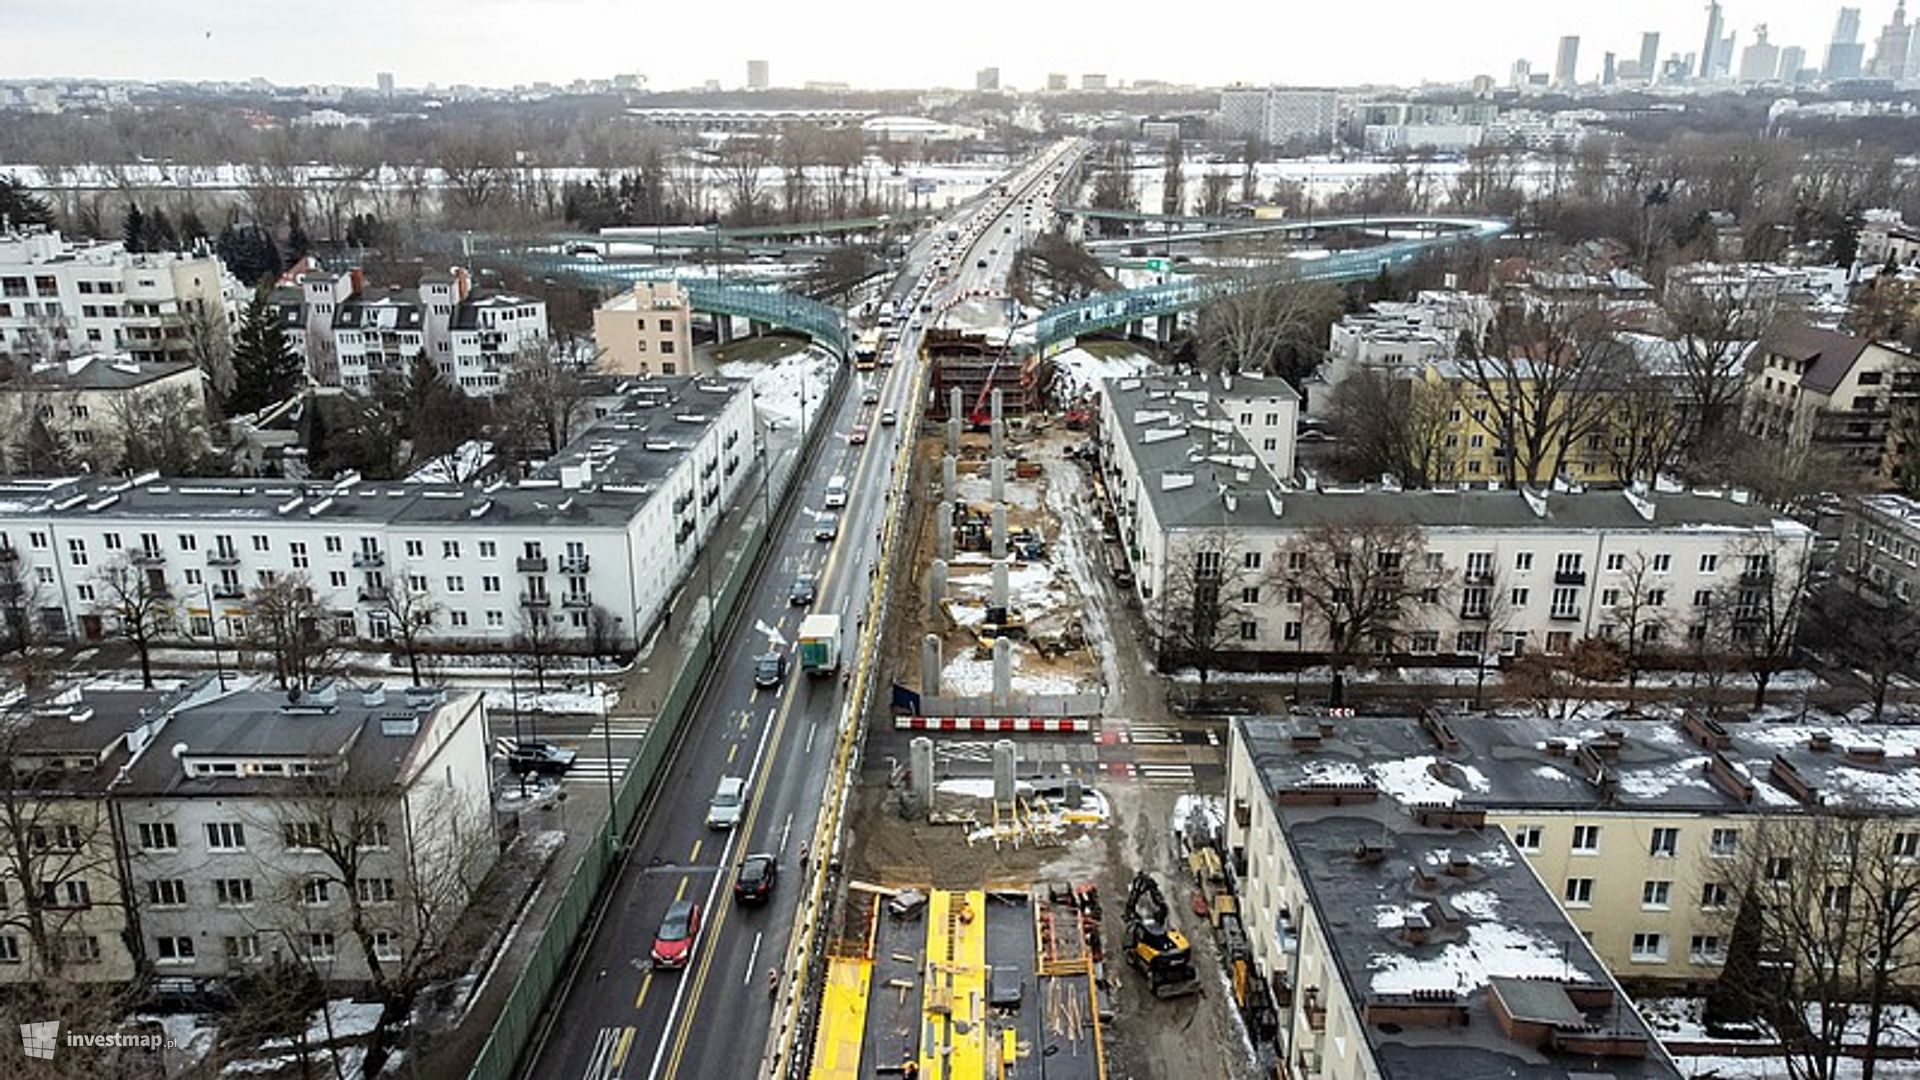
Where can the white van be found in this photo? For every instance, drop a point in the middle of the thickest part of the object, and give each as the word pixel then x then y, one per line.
pixel 837 491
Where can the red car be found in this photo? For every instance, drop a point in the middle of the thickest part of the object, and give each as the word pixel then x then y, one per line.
pixel 859 434
pixel 673 945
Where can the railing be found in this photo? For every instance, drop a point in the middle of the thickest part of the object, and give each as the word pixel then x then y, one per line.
pixel 222 558
pixel 576 600
pixel 535 600
pixel 531 564
pixel 229 592
pixel 575 564
pixel 144 557
pixel 368 560
pixel 373 594
pixel 1569 577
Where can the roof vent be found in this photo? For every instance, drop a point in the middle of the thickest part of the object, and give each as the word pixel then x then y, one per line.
pixel 374 696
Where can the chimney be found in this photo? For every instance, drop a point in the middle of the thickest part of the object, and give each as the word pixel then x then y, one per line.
pixel 460 284
pixel 359 277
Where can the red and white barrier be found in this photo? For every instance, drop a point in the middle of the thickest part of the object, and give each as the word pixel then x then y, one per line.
pixel 1034 725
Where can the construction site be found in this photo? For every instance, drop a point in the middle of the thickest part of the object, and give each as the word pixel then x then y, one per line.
pixel 1027 863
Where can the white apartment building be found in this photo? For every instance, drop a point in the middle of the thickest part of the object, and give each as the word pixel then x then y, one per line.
pixel 62 298
pixel 350 333
pixel 1279 115
pixel 612 524
pixel 1398 338
pixel 646 330
pixel 85 402
pixel 1880 548
pixel 1526 570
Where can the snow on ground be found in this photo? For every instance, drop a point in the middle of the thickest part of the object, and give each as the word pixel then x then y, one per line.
pixel 1080 371
pixel 979 489
pixel 1077 548
pixel 344 1019
pixel 1211 810
pixel 1094 809
pixel 966 677
pixel 779 388
pixel 457 467
pixel 1492 950
pixel 572 701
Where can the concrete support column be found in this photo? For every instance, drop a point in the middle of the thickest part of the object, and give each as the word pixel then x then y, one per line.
pixel 999 467
pixel 943 531
pixel 953 434
pixel 931 664
pixel 1002 668
pixel 757 327
pixel 920 761
pixel 1164 328
pixel 1001 593
pixel 936 586
pixel 999 531
pixel 950 478
pixel 1006 766
pixel 723 329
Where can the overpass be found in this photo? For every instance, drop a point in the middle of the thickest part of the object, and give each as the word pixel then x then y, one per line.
pixel 1108 310
pixel 1209 228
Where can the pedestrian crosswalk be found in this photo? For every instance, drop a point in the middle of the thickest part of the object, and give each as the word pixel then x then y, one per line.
pixel 1138 734
pixel 584 770
pixel 621 727
pixel 610 1049
pixel 1163 775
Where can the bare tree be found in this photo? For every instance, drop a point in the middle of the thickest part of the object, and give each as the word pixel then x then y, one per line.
pixel 162 431
pixel 1364 581
pixel 1835 898
pixel 1714 326
pixel 139 604
pixel 1543 374
pixel 410 609
pixel 1637 617
pixel 536 641
pixel 210 345
pixel 24 633
pixel 603 632
pixel 1276 324
pixel 1393 427
pixel 743 161
pixel 1857 630
pixel 1645 426
pixel 286 620
pixel 1486 614
pixel 1197 613
pixel 475 165
pixel 544 394
pixel 1762 606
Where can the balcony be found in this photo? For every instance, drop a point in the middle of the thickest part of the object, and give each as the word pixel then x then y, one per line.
pixel 577 600
pixel 575 564
pixel 229 592
pixel 373 594
pixel 535 600
pixel 369 560
pixel 147 558
pixel 223 558
pixel 1477 577
pixel 1755 578
pixel 1564 615
pixel 1476 614
pixel 1315 1009
pixel 531 564
pixel 1569 577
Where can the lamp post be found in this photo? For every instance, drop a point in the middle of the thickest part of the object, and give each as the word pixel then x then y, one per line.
pixel 213 631
pixel 606 744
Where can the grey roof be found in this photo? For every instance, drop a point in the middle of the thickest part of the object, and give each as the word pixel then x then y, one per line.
pixel 1830 354
pixel 466 314
pixel 71 724
pixel 360 310
pixel 632 450
pixel 95 372
pixel 1663 763
pixel 1423 922
pixel 1188 455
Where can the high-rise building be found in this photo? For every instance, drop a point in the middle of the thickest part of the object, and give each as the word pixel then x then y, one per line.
pixel 1093 82
pixel 1056 82
pixel 1845 53
pixel 987 79
pixel 1607 69
pixel 1761 61
pixel 1279 115
pixel 1913 54
pixel 1567 62
pixel 1710 49
pixel 1650 56
pixel 384 81
pixel 757 75
pixel 1890 51
pixel 1793 61
pixel 1522 74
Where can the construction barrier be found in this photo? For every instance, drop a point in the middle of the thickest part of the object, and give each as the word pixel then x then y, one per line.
pixel 1016 724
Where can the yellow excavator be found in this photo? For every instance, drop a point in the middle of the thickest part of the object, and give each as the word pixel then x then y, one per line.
pixel 1154 947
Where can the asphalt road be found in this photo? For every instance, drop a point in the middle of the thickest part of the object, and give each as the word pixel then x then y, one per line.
pixel 618 1018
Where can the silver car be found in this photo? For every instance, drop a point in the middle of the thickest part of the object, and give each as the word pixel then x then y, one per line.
pixel 729 803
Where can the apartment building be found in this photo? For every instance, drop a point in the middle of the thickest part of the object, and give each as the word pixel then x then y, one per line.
pixel 1880 547
pixel 61 298
pixel 1279 115
pixel 1634 827
pixel 1264 412
pixel 1886 237
pixel 646 330
pixel 351 333
pixel 1409 938
pixel 596 541
pixel 317 828
pixel 1523 570
pixel 1822 393
pixel 1398 339
pixel 86 402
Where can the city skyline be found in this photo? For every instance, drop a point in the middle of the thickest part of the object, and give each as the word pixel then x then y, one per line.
pixel 509 42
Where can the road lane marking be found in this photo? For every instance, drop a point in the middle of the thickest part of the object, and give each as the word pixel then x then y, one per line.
pixel 695 857
pixel 646 984
pixel 681 892
pixel 812 729
pixel 620 1052
pixel 732 749
pixel 786 830
pixel 753 960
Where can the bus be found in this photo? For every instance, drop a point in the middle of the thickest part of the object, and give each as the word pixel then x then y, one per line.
pixel 866 351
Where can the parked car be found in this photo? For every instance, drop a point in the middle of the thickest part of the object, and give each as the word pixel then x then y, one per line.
pixel 758 874
pixel 769 669
pixel 542 758
pixel 729 803
pixel 673 943
pixel 802 591
pixel 870 396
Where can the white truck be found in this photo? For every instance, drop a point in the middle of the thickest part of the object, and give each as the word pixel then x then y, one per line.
pixel 819 644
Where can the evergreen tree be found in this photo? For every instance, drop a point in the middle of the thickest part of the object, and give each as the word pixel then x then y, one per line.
pixel 265 368
pixel 191 228
pixel 1732 1001
pixel 297 242
pixel 22 207
pixel 133 228
pixel 249 253
pixel 157 232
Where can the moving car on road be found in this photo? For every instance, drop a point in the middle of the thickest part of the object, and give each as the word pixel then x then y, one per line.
pixel 769 668
pixel 673 944
pixel 729 803
pixel 802 591
pixel 826 526
pixel 889 418
pixel 858 435
pixel 757 877
pixel 541 758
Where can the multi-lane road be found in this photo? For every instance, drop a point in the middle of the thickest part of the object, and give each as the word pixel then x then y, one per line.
pixel 617 1017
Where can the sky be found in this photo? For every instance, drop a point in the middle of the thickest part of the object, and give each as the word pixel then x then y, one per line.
pixel 868 43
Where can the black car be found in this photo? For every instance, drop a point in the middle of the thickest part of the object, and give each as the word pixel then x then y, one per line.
pixel 769 669
pixel 757 877
pixel 542 758
pixel 802 591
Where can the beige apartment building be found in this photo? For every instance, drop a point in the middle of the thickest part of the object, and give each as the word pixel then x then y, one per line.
pixel 1823 393
pixel 85 404
pixel 647 330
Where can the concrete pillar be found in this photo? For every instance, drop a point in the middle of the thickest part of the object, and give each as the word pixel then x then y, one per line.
pixel 920 761
pixel 1134 329
pixel 953 434
pixel 950 478
pixel 1006 765
pixel 999 467
pixel 1164 328
pixel 937 586
pixel 1000 590
pixel 997 433
pixel 756 327
pixel 943 531
pixel 999 531
pixel 1073 795
pixel 1002 667
pixel 931 664
pixel 956 403
pixel 723 329
pixel 996 404
pixel 997 418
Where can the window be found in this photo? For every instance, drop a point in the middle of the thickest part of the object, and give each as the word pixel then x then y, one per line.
pixel 1609 597
pixel 158 836
pixel 488 550
pixel 385 948
pixel 1251 560
pixel 1655 895
pixel 1656 598
pixel 302 834
pixel 333 545
pixel 457 618
pixel 1664 843
pixel 1579 891
pixel 374 890
pixel 1479 564
pixel 243 948
pixel 9 949
pixel 1523 560
pixel 167 892
pixel 189 542
pixel 1706 949
pixel 78 948
pixel 1291 631
pixel 1649 948
pixel 337 579
pixel 1663 563
pixel 66 894
pixel 226 836
pixel 1713 896
pixel 1836 898
pixel 315 891
pixel 1425 642
pixel 260 544
pixel 1249 630
pixel 1518 597
pixel 298 550
pixel 1528 838
pixel 233 892
pixel 449 549
pixel 1703 598
pixel 1248 595
pixel 173 950
pixel 415 549
pixel 77 550
pixel 376 837
pixel 1724 843
pixel 495 620
pixel 110 541
pixel 1779 869
pixel 320 946
pixel 1586 839
pixel 1709 563
pixel 489 583
pixel 55 837
pixel 1906 845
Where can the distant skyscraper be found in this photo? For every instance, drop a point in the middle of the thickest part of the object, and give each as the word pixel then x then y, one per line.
pixel 1093 82
pixel 1056 81
pixel 1650 56
pixel 1890 52
pixel 1710 49
pixel 1761 61
pixel 987 79
pixel 1793 60
pixel 1606 70
pixel 1566 65
pixel 1845 53
pixel 1522 73
pixel 384 81
pixel 757 75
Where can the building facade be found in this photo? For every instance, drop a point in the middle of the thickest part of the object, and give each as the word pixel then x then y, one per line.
pixel 647 330
pixel 594 543
pixel 1821 393
pixel 1880 547
pixel 61 298
pixel 86 403
pixel 1279 116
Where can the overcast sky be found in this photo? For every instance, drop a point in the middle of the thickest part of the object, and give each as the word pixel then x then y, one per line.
pixel 868 43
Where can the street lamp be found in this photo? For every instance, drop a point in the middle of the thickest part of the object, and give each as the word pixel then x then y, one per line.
pixel 606 743
pixel 213 631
